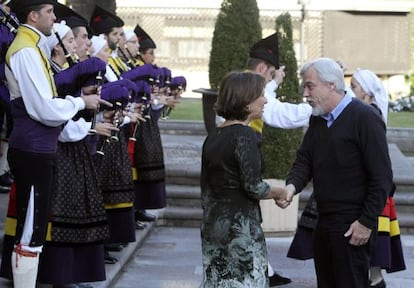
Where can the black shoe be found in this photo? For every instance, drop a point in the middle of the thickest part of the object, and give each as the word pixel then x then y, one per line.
pixel 139 225
pixel 141 215
pixel 6 179
pixel 115 247
pixel 380 284
pixel 277 280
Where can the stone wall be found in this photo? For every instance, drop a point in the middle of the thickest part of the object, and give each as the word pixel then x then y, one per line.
pixel 403 138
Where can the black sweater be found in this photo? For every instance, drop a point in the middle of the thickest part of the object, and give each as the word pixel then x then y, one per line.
pixel 348 162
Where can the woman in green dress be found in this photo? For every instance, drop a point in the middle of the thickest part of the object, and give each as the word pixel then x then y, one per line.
pixel 233 243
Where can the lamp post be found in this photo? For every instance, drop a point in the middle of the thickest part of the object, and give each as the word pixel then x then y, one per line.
pixel 303 4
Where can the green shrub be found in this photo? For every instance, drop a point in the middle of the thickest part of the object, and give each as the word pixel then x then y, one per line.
pixel 237 28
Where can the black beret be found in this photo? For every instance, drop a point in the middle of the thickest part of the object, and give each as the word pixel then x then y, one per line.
pixel 145 41
pixel 102 21
pixel 20 5
pixel 69 17
pixel 267 49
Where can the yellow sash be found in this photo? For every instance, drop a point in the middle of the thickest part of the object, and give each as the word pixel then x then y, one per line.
pixel 25 38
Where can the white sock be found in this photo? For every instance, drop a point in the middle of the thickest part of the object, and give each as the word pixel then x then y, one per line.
pixel 375 275
pixel 270 269
pixel 24 270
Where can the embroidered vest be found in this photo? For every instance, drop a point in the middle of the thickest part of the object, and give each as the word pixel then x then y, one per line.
pixel 27 37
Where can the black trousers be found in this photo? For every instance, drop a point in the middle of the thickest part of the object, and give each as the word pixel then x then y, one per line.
pixel 339 264
pixel 37 170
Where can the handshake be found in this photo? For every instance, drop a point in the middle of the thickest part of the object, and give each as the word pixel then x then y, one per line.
pixel 282 194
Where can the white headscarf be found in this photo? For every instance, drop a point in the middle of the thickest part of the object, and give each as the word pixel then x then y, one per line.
pixel 129 34
pixel 373 86
pixel 98 42
pixel 62 29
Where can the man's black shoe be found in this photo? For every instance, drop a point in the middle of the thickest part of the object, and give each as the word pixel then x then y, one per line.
pixel 141 215
pixel 109 259
pixel 115 247
pixel 4 189
pixel 277 280
pixel 139 225
pixel 380 284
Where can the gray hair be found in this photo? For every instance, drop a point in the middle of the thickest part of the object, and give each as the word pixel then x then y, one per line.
pixel 328 71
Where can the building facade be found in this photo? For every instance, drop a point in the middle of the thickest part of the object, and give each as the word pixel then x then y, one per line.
pixel 373 35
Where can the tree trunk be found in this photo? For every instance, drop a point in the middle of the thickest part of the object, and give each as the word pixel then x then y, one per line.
pixel 85 8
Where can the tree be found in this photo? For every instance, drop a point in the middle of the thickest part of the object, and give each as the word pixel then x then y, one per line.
pixel 85 8
pixel 237 29
pixel 279 145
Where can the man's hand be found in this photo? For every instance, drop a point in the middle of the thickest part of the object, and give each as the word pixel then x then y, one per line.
pixel 359 234
pixel 283 203
pixel 105 129
pixel 93 101
pixel 279 75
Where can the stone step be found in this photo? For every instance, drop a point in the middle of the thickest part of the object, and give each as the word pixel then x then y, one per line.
pixel 180 216
pixel 183 195
pixel 182 176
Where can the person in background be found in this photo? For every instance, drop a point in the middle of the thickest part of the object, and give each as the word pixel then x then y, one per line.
pixel 351 183
pixel 38 115
pixel 146 46
pixel 59 50
pixel 80 28
pixel 233 243
pixel 128 48
pixel 149 185
pixel 264 60
pixel 108 25
pixel 7 34
pixel 387 253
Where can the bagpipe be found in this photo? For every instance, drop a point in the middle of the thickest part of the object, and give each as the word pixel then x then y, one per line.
pixel 9 20
pixel 99 81
pixel 70 81
pixel 129 61
pixel 120 93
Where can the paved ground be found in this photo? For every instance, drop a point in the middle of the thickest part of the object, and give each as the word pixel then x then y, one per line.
pixel 171 258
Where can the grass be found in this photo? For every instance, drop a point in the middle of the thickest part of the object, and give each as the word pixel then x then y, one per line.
pixel 191 109
pixel 188 109
pixel 401 119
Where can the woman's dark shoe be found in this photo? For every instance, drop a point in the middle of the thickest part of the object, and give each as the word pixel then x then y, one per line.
pixel 380 284
pixel 278 280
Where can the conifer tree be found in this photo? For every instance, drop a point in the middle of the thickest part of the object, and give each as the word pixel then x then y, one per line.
pixel 279 145
pixel 237 29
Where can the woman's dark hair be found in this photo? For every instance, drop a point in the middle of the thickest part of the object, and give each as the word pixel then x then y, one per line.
pixel 237 90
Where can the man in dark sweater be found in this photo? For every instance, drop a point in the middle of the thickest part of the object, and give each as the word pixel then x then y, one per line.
pixel 345 152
